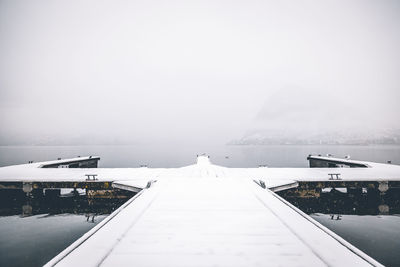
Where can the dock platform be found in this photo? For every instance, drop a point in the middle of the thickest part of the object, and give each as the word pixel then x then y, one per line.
pixel 209 215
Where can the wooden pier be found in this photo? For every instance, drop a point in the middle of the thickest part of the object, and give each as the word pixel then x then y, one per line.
pixel 208 215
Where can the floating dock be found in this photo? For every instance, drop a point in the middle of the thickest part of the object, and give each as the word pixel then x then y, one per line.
pixel 209 215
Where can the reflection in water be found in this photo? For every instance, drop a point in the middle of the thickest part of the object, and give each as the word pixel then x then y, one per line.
pixel 16 202
pixel 88 216
pixel 369 221
pixel 378 236
pixel 336 217
pixel 35 229
pixel 344 201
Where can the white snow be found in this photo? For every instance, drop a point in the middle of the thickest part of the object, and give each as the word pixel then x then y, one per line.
pixel 206 221
pixel 207 215
pixel 139 177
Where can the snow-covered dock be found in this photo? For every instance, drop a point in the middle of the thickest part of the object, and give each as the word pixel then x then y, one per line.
pixel 274 178
pixel 208 215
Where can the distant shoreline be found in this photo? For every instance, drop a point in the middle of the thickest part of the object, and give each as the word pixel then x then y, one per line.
pixel 227 144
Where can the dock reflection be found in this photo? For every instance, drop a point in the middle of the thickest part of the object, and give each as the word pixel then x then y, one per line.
pixel 16 202
pixel 337 202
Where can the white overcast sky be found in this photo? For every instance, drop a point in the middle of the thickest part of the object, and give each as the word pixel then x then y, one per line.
pixel 200 71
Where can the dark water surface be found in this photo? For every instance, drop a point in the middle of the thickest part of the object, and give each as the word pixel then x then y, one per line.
pixel 378 236
pixel 35 229
pixel 35 239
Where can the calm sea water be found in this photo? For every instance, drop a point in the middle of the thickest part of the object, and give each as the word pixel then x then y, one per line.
pixel 170 156
pixel 378 236
pixel 33 240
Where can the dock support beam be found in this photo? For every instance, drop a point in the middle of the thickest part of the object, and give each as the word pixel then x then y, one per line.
pixel 383 187
pixel 27 187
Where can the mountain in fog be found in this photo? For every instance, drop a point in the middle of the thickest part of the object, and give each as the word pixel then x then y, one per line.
pixel 264 137
pixel 302 116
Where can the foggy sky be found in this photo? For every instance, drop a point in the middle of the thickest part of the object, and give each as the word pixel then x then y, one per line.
pixel 195 71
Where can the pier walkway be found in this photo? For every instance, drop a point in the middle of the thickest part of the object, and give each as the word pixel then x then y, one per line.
pixel 208 215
